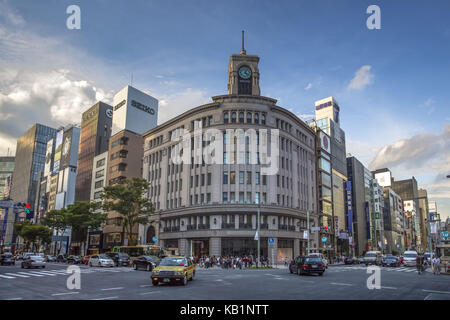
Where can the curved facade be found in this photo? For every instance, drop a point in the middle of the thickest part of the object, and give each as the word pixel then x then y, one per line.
pixel 212 208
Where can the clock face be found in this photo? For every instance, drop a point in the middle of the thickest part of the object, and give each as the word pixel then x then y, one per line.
pixel 245 72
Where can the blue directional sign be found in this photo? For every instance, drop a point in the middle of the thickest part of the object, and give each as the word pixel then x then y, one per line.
pixel 271 240
pixel 324 239
pixel 155 239
pixel 445 234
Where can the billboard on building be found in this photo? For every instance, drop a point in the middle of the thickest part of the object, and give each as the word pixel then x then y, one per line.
pixel 348 198
pixel 432 206
pixel 69 154
pixel 58 151
pixel 325 142
pixel 366 210
pixel 384 178
pixel 48 158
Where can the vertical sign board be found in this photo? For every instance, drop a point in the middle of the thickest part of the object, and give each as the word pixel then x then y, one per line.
pixel 366 209
pixel 348 187
pixel 4 224
pixel 58 151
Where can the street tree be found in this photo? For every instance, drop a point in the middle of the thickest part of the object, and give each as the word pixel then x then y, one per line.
pixel 83 216
pixel 129 200
pixel 34 234
pixel 57 220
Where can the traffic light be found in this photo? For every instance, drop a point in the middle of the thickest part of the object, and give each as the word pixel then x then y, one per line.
pixel 27 208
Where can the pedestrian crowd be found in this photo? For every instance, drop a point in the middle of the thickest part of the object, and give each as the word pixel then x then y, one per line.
pixel 229 262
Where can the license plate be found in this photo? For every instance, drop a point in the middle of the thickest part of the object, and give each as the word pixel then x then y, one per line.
pixel 314 266
pixel 166 280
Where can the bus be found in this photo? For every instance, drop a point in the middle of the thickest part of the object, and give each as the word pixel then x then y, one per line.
pixel 139 250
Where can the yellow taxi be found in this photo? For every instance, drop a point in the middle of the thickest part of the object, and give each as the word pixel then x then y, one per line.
pixel 174 269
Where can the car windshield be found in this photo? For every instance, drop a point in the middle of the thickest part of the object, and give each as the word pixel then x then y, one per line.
pixel 173 262
pixel 370 255
pixel 313 260
pixel 35 257
pixel 411 255
pixel 103 257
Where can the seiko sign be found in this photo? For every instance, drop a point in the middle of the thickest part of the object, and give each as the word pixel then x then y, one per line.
pixel 142 107
pixel 136 104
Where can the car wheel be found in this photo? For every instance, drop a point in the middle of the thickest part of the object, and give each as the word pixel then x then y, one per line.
pixel 193 275
pixel 185 280
pixel 321 274
pixel 290 270
pixel 43 267
pixel 155 283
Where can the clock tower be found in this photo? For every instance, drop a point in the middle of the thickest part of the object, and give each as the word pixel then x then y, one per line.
pixel 243 73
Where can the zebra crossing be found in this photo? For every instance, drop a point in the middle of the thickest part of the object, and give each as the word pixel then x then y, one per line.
pixel 389 269
pixel 29 273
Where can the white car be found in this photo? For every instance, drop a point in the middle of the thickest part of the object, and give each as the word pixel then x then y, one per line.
pixel 100 260
pixel 33 262
pixel 409 258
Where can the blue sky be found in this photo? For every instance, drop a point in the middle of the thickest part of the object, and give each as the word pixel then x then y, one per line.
pixel 179 50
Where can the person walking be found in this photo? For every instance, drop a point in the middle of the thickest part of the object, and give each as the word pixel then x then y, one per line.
pixel 437 266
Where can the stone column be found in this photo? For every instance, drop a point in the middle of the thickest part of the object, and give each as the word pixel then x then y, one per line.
pixel 296 248
pixel 183 247
pixel 215 247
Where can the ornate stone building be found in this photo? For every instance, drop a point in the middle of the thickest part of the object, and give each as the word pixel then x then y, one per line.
pixel 212 208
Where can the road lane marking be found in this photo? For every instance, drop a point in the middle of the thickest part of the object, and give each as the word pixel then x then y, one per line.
pixel 107 298
pixel 17 275
pixel 43 273
pixel 151 292
pixel 391 288
pixel 6 277
pixel 341 284
pixel 145 285
pixel 14 299
pixel 428 296
pixel 64 293
pixel 435 291
pixel 107 289
pixel 31 274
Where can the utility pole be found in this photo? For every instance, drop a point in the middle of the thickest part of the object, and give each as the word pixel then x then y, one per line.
pixel 307 229
pixel 258 232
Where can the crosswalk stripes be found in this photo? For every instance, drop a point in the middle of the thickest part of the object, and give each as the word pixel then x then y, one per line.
pixel 388 269
pixel 56 272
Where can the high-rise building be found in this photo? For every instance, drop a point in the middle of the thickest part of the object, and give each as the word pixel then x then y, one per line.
pixel 327 119
pixel 95 133
pixel 134 113
pixel 6 170
pixel 423 216
pixel 30 160
pixel 360 189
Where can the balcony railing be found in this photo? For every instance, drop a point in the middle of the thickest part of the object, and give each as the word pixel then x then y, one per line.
pixel 291 228
pixel 203 226
pixel 245 225
pixel 264 226
pixel 282 227
pixel 191 227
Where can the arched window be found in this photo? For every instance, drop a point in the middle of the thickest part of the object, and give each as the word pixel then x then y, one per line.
pixel 249 117
pixel 241 117
pixel 225 117
pixel 233 117
pixel 263 118
pixel 257 118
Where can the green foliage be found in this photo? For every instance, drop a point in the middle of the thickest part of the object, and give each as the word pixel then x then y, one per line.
pixel 128 199
pixel 81 217
pixel 55 219
pixel 32 233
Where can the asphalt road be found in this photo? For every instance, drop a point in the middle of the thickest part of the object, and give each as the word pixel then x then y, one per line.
pixel 338 282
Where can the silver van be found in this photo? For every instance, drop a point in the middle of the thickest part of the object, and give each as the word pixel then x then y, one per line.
pixel 372 257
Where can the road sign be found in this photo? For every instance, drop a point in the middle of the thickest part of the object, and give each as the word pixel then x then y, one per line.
pixel 305 234
pixel 324 239
pixel 315 228
pixel 155 239
pixel 444 234
pixel 271 240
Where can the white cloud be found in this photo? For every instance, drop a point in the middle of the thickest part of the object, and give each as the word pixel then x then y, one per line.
pixel 172 105
pixel 363 77
pixel 306 116
pixel 309 86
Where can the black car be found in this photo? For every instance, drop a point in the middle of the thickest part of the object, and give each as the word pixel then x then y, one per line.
pixel 74 260
pixel 146 262
pixel 390 261
pixel 50 258
pixel 7 258
pixel 307 265
pixel 61 258
pixel 120 259
pixel 350 260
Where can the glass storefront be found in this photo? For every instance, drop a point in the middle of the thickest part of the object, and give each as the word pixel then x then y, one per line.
pixel 243 247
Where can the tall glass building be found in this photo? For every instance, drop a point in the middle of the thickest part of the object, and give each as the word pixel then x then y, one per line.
pixel 6 170
pixel 30 159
